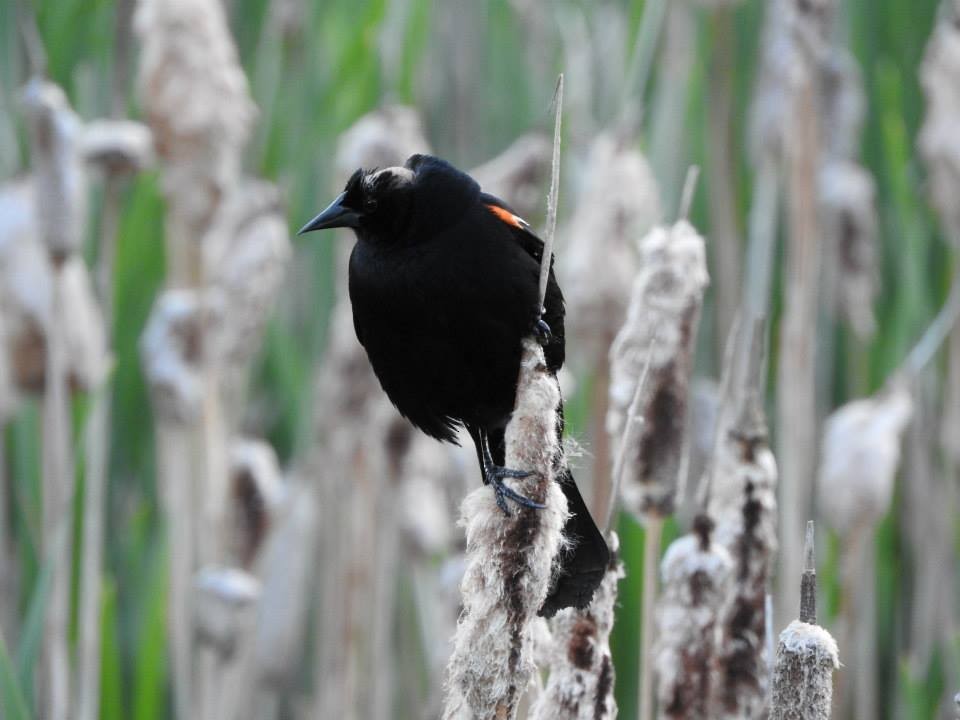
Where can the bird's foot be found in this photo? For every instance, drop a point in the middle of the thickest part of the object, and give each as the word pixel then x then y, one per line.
pixel 542 332
pixel 494 475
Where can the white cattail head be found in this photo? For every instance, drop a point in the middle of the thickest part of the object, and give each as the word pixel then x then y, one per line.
pixel 617 204
pixel 849 220
pixel 196 100
pixel 256 490
pixel 860 458
pixel 224 600
pixel 658 337
pixel 519 174
pixel 59 182
pixel 939 140
pixel 843 105
pixel 581 680
pixel 807 655
pixel 117 147
pixel 697 577
pixel 383 138
pixel 508 559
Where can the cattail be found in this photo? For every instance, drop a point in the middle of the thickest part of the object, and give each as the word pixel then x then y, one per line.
pixel 618 203
pixel 938 141
pixel 806 657
pixel 509 558
pixel 849 221
pixel 427 475
pixel 59 183
pixel 581 680
pixel 660 330
pixel 117 147
pixel 197 103
pixel 843 105
pixel 697 576
pixel 518 174
pixel 860 458
pixel 743 504
pixel 225 600
pixel 257 491
pixel 382 138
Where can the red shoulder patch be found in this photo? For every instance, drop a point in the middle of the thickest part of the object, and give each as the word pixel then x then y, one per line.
pixel 508 217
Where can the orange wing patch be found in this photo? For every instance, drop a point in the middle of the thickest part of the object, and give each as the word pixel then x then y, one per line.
pixel 508 217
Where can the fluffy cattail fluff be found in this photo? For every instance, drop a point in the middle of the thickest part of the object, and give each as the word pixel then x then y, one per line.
pixel 246 253
pixel 381 138
pixel 581 680
pixel 743 504
pixel 257 491
pixel 196 100
pixel 659 333
pixel 224 599
pixel 860 457
pixel 617 204
pixel 117 147
pixel 939 141
pixel 697 576
pixel 807 655
pixel 59 183
pixel 842 105
pixel 26 299
pixel 849 221
pixel 508 559
pixel 518 174
pixel 171 349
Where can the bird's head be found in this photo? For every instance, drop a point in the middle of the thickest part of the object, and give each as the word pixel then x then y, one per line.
pixel 395 204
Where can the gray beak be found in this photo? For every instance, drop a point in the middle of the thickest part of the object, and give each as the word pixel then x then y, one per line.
pixel 336 215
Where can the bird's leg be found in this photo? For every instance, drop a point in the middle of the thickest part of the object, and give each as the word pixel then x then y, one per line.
pixel 542 331
pixel 494 474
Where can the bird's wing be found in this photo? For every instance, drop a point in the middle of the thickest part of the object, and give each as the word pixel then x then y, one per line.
pixel 523 233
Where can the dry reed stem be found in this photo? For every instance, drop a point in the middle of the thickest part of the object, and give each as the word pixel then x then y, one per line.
pixel 697 581
pixel 581 682
pixel 550 226
pixel 509 559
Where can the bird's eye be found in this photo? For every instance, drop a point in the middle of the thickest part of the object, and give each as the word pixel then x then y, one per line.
pixel 370 204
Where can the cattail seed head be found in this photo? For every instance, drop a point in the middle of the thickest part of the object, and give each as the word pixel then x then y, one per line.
pixel 659 333
pixel 509 559
pixel 860 458
pixel 59 182
pixel 697 576
pixel 257 490
pixel 581 680
pixel 117 147
pixel 224 600
pixel 617 204
pixel 383 138
pixel 807 655
pixel 518 174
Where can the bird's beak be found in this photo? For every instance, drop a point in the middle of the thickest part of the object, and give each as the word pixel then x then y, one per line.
pixel 336 215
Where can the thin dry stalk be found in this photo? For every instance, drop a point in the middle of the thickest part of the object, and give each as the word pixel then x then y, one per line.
pixel 550 226
pixel 508 559
pixel 651 558
pixel 581 680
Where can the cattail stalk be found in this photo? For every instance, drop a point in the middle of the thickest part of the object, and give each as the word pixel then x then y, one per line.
pixel 806 656
pixel 581 680
pixel 509 558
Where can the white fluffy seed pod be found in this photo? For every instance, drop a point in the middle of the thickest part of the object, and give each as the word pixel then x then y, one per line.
pixel 257 491
pixel 171 349
pixel 860 458
pixel 618 203
pixel 59 182
pixel 196 101
pixel 807 655
pixel 117 147
pixel 508 559
pixel 659 333
pixel 224 600
pixel 743 504
pixel 246 253
pixel 938 140
pixel 519 174
pixel 849 220
pixel 581 680
pixel 843 104
pixel 382 138
pixel 697 576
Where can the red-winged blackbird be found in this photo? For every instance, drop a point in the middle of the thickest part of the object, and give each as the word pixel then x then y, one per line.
pixel 444 286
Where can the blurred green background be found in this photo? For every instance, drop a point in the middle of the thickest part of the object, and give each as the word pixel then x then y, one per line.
pixel 481 73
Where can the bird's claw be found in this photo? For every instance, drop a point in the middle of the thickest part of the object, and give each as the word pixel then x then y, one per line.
pixel 495 475
pixel 542 332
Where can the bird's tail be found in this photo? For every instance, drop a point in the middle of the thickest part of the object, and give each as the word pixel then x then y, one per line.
pixel 581 565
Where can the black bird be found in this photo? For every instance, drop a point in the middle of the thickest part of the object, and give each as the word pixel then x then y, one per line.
pixel 444 283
